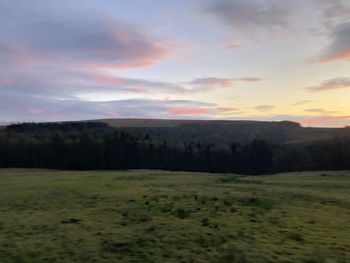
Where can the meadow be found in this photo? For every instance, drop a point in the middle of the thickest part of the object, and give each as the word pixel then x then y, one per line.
pixel 158 216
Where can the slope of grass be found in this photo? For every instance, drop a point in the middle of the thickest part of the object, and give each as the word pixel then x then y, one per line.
pixel 155 216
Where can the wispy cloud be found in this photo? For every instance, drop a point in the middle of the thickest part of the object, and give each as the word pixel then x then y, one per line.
pixel 202 84
pixel 151 86
pixel 332 12
pixel 321 111
pixel 188 111
pixel 264 108
pixel 302 102
pixel 160 87
pixel 97 86
pixel 202 111
pixel 252 18
pixel 337 48
pixel 53 61
pixel 41 34
pixel 332 84
pixel 15 108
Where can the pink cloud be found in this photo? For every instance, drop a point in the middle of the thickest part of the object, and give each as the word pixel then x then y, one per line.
pixel 15 54
pixel 140 89
pixel 113 114
pixel 133 49
pixel 159 53
pixel 151 86
pixel 225 109
pixel 122 60
pixel 336 57
pixel 107 80
pixel 36 110
pixel 188 111
pixel 112 44
pixel 327 121
pixel 6 81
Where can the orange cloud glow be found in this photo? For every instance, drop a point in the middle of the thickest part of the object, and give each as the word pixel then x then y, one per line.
pixel 336 121
pixel 188 111
pixel 225 109
pixel 336 57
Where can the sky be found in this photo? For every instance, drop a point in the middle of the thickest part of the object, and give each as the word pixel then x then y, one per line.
pixel 267 60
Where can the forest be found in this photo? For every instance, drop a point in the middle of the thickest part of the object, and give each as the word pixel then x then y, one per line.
pixel 97 146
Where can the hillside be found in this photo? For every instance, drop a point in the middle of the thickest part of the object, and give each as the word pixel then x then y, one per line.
pixel 244 147
pixel 223 132
pixel 218 132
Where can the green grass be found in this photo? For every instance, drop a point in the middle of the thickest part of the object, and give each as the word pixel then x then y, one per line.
pixel 155 216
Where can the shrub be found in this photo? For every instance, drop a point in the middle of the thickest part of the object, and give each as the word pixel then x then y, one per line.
pixel 296 236
pixel 205 222
pixel 182 213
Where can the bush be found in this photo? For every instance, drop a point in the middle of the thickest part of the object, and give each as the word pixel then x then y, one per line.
pixel 182 213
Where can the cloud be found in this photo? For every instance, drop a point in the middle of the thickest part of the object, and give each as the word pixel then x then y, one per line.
pixel 264 108
pixel 257 19
pixel 302 102
pixel 53 93
pixel 133 85
pixel 188 111
pixel 226 110
pixel 332 12
pixel 332 84
pixel 51 52
pixel 321 111
pixel 19 108
pixel 203 84
pixel 200 111
pixel 185 87
pixel 44 34
pixel 61 50
pixel 36 110
pixel 337 48
pixel 326 121
pixel 231 44
pixel 14 108
pixel 84 84
pixel 252 18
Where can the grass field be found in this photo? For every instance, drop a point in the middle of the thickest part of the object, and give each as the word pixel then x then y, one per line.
pixel 155 216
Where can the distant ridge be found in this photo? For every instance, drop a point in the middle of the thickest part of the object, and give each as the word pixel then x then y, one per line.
pixel 219 132
pixel 224 131
pixel 178 123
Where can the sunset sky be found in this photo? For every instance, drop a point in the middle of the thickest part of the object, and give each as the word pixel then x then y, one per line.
pixel 184 59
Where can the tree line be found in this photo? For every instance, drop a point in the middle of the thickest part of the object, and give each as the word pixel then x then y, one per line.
pixel 90 146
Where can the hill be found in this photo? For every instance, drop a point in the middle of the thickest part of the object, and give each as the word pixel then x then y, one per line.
pixel 217 132
pixel 222 132
pixel 245 147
